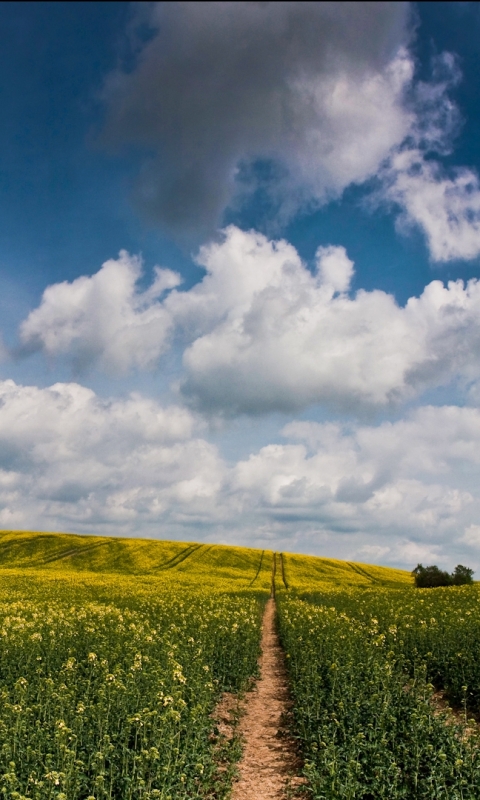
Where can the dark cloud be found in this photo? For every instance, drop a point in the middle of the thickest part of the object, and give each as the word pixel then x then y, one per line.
pixel 219 83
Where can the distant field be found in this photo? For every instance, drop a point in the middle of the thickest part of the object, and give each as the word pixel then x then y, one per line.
pixel 303 573
pixel 119 563
pixel 186 562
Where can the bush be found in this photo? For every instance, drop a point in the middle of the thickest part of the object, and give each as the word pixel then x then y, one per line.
pixel 431 577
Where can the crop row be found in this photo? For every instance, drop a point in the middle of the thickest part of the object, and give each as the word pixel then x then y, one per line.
pixel 435 629
pixel 363 710
pixel 102 701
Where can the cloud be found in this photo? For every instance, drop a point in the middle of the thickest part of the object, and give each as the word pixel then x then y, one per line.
pixel 263 333
pixel 70 459
pixel 317 96
pixel 472 536
pixel 445 207
pixel 316 87
pixel 283 338
pixel 443 203
pixel 103 320
pixel 396 492
pixel 335 269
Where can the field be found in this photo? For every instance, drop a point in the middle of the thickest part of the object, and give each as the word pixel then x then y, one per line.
pixel 300 573
pixel 186 562
pixel 114 653
pixel 366 667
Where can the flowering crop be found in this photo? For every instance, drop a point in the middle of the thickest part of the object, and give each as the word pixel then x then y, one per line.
pixel 113 699
pixel 61 554
pixel 437 630
pixel 308 573
pixel 362 705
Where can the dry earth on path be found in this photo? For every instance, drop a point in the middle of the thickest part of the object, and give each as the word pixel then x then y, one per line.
pixel 270 764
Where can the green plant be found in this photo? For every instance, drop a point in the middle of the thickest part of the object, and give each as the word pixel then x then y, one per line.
pixel 361 680
pixel 113 700
pixel 433 576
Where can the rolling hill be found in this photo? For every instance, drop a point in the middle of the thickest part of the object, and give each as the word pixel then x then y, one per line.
pixel 185 562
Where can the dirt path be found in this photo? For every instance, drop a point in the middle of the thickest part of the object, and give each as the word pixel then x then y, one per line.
pixel 269 758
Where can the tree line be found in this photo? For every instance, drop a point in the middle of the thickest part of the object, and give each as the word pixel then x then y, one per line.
pixel 430 577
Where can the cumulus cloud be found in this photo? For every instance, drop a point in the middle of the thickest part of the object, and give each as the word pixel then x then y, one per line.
pixel 70 459
pixel 315 87
pixel 334 268
pixel 283 338
pixel 290 338
pixel 443 203
pixel 396 492
pixel 324 93
pixel 472 536
pixel 445 207
pixel 263 333
pixel 103 320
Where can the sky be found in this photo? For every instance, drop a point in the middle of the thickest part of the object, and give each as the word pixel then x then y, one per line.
pixel 239 275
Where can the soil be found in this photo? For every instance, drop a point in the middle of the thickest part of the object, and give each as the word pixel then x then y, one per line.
pixel 270 765
pixel 470 726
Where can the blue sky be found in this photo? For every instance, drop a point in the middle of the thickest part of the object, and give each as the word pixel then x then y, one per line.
pixel 277 357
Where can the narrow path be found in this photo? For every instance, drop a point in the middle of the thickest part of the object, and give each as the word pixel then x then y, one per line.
pixel 270 760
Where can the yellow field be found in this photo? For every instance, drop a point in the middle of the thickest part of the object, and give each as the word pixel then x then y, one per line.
pixel 114 652
pixel 308 572
pixel 148 562
pixel 108 679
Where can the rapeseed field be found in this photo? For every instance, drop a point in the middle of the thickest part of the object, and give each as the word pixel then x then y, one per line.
pixel 371 670
pixel 114 653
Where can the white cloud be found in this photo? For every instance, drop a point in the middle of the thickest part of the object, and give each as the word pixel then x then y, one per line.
pixel 334 268
pixel 69 459
pixel 472 536
pixel 325 93
pixel 103 320
pixel 373 553
pixel 446 208
pixel 263 333
pixel 397 492
pixel 408 552
pixel 443 204
pixel 405 552
pixel 282 338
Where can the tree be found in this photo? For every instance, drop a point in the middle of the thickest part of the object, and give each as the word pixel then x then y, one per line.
pixel 430 577
pixel 462 575
pixel 433 576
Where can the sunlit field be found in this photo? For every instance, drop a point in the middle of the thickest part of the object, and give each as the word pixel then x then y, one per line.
pixel 307 572
pixel 374 674
pixel 114 653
